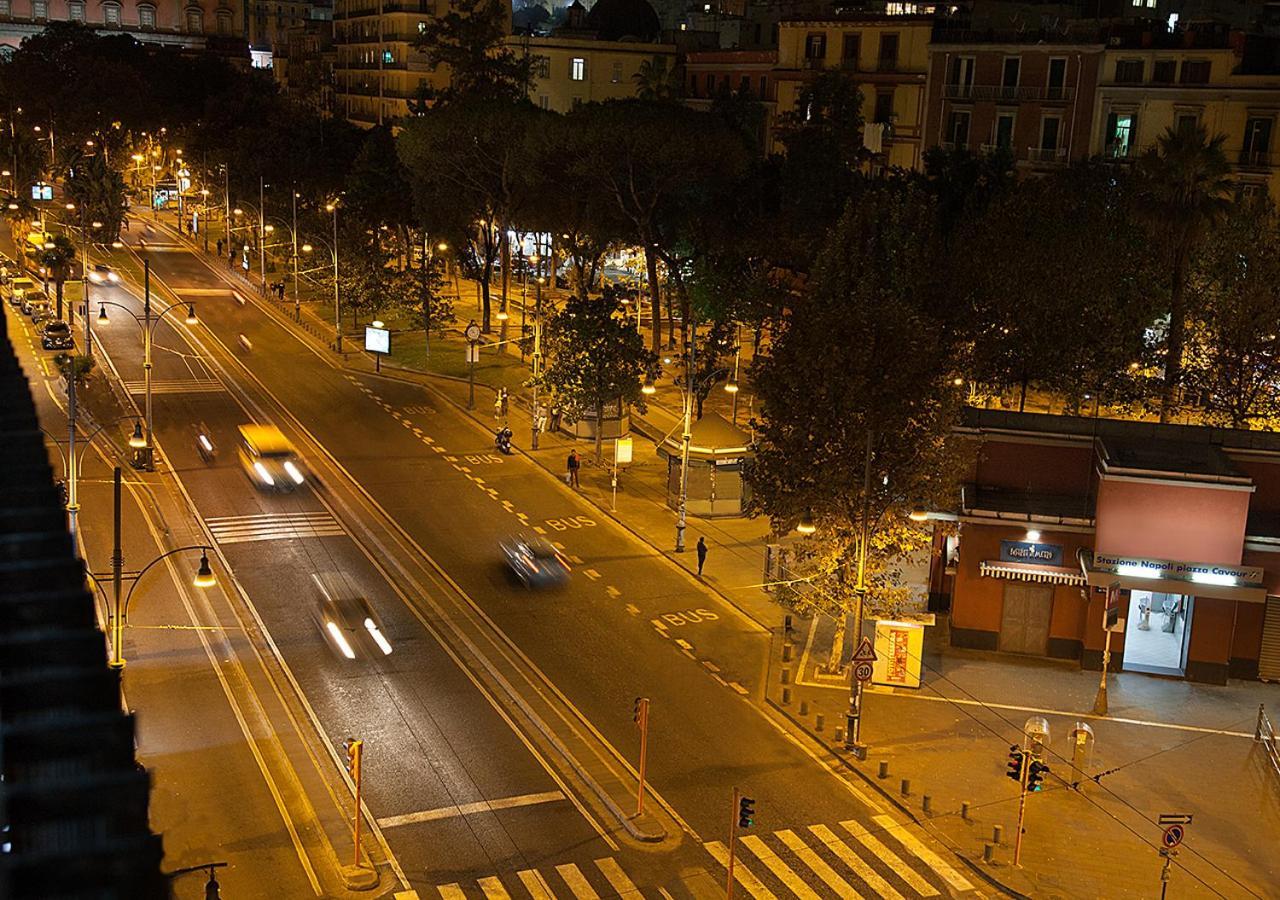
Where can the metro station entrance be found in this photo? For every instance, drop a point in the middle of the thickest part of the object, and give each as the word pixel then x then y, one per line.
pixel 1157 632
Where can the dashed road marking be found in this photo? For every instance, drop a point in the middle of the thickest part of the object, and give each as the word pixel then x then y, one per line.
pixel 591 573
pixel 684 644
pixel 737 688
pixel 612 591
pixel 539 529
pixel 710 666
pixel 632 608
pixel 658 624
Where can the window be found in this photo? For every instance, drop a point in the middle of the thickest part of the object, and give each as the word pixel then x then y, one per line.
pixel 1004 130
pixel 1195 71
pixel 75 11
pixel 39 9
pixel 1118 140
pixel 960 78
pixel 1057 78
pixel 884 107
pixel 195 21
pixel 147 16
pixel 388 57
pixel 1186 121
pixel 1164 71
pixel 744 85
pixel 849 51
pixel 578 69
pixel 544 101
pixel 958 129
pixel 1050 126
pixel 887 61
pixel 1009 74
pixel 542 66
pixel 5 8
pixel 815 46
pixel 111 13
pixel 616 77
pixel 224 21
pixel 1257 142
pixel 711 84
pixel 1129 71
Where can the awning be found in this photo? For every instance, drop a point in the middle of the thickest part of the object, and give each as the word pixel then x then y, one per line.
pixel 1025 572
pixel 1174 577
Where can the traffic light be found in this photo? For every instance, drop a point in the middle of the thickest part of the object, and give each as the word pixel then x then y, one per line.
pixel 212 888
pixel 746 812
pixel 1036 774
pixel 640 711
pixel 353 747
pixel 1015 763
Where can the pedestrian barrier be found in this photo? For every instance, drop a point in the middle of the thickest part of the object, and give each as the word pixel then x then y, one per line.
pixel 1265 733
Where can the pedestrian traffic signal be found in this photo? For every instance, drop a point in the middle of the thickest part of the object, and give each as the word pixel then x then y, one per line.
pixel 212 889
pixel 1035 775
pixel 640 712
pixel 353 746
pixel 1015 763
pixel 746 812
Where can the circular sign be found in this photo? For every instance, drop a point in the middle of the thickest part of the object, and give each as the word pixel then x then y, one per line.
pixel 1173 836
pixel 862 671
pixel 473 332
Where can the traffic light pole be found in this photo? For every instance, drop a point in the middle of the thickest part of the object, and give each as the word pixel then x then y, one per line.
pixel 1022 808
pixel 733 841
pixel 642 722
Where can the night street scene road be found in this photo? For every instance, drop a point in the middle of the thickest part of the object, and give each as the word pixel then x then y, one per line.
pixel 639 449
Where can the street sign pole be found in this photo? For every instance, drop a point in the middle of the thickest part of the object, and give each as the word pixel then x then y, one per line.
pixel 860 673
pixel 733 840
pixel 472 335
pixel 1111 605
pixel 1022 808
pixel 642 722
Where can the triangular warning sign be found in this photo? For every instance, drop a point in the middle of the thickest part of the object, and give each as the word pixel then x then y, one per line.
pixel 865 652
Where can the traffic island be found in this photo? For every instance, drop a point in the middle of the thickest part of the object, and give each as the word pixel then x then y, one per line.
pixel 360 878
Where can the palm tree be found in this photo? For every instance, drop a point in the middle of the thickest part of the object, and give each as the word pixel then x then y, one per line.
pixel 57 261
pixel 655 81
pixel 1184 190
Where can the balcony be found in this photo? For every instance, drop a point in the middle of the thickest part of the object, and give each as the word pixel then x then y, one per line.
pixel 1119 152
pixel 1256 159
pixel 887 64
pixel 813 62
pixel 1006 93
pixel 849 65
pixel 1047 155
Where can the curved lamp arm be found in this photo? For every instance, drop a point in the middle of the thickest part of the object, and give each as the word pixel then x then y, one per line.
pixel 205 548
pixel 97 431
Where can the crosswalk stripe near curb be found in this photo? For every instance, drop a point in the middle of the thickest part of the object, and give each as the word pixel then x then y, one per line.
pixel 493 889
pixel 742 874
pixel 933 860
pixel 536 885
pixel 895 862
pixel 577 882
pixel 451 892
pixel 622 885
pixel 775 864
pixel 856 863
pixel 817 864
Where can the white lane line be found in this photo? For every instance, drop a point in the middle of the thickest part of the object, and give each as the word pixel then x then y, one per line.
pixel 618 879
pixel 467 809
pixel 774 864
pixel 817 864
pixel 741 873
pixel 493 889
pixel 881 852
pixel 591 573
pixel 737 688
pixel 405 895
pixel 536 885
pixel 632 608
pixel 613 592
pixel 539 529
pixel 451 892
pixel 931 859
pixel 577 882
pixel 855 862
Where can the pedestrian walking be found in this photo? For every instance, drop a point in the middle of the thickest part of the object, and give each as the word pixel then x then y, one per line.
pixel 219 246
pixel 572 477
pixel 702 554
pixel 503 398
pixel 555 419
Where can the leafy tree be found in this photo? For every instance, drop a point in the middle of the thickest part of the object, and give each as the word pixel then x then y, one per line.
pixel 1232 359
pixel 59 261
pixel 857 365
pixel 98 192
pixel 1185 186
pixel 595 358
pixel 965 183
pixel 656 80
pixel 421 292
pixel 470 41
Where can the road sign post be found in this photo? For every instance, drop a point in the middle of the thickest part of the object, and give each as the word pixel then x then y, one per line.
pixel 1110 617
pixel 642 722
pixel 733 841
pixel 860 674
pixel 473 336
pixel 1175 830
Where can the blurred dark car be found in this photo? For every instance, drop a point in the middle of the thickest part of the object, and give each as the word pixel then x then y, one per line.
pixel 535 561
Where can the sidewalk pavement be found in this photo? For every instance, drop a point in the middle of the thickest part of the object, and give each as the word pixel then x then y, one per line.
pixel 1168 746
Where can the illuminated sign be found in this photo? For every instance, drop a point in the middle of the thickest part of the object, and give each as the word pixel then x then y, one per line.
pixel 1176 570
pixel 41 191
pixel 377 340
pixel 1028 552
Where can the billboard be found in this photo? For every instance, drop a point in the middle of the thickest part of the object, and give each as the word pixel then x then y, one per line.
pixel 377 340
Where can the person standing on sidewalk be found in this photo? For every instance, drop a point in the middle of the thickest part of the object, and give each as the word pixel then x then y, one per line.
pixel 702 554
pixel 573 468
pixel 219 246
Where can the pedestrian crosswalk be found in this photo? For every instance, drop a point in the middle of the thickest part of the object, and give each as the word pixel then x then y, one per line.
pixel 182 386
pixel 885 861
pixel 603 878
pixel 273 527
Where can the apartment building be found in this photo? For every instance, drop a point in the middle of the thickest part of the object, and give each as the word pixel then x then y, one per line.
pixel 708 73
pixel 889 57
pixel 1213 78
pixel 177 23
pixel 572 69
pixel 1029 94
pixel 378 71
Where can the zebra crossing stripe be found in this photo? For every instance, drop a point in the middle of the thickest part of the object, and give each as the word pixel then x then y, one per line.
pixel 577 882
pixel 775 864
pixel 622 885
pixel 741 873
pixel 189 386
pixel 536 885
pixel 817 864
pixel 855 862
pixel 451 892
pixel 273 527
pixel 493 889
pixel 880 851
pixel 933 860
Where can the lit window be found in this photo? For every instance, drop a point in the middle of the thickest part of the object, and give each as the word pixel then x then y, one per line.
pixel 111 13
pixel 1120 134
pixel 578 69
pixel 617 73
pixel 147 16
pixel 195 21
pixel 39 9
pixel 387 56
pixel 4 7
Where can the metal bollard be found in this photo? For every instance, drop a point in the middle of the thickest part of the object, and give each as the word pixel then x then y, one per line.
pixel 786 676
pixel 926 802
pixel 906 787
pixel 988 853
pixel 786 652
pixel 884 768
pixel 804 707
pixel 786 624
pixel 822 722
pixel 839 735
pixel 964 810
pixel 786 696
pixel 997 834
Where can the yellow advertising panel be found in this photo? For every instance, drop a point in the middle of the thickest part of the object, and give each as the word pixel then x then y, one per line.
pixel 899 647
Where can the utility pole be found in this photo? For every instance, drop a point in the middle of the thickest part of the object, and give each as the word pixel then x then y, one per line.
pixel 641 717
pixel 146 363
pixel 262 234
pixel 853 719
pixel 733 844
pixel 226 198
pixel 73 502
pixel 117 572
pixel 1111 607
pixel 297 303
pixel 687 437
pixel 355 755
pixel 84 280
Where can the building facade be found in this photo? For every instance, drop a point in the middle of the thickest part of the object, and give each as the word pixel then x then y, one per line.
pixel 569 70
pixel 181 23
pixel 378 72
pixel 889 57
pixel 1176 528
pixel 750 73
pixel 1030 98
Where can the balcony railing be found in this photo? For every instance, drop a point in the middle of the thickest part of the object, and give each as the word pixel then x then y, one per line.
pixel 1119 151
pixel 887 64
pixel 814 62
pixel 1006 92
pixel 1047 154
pixel 1256 159
pixel 850 65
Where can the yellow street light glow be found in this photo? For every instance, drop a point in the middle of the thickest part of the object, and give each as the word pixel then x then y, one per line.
pixel 97 224
pixel 502 315
pixel 442 246
pixel 918 513
pixel 136 440
pixel 204 575
pixel 71 206
pixel 648 389
pixel 191 314
pixel 307 248
pixel 102 312
pixel 138 157
pixel 116 245
pixel 269 228
pixel 6 173
pixel 49 245
pixel 806 524
pixel 731 387
pixel 237 211
pixel 13 206
pixel 377 323
pixel 329 207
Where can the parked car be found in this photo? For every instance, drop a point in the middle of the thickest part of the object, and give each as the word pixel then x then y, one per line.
pixel 37 307
pixel 18 287
pixel 57 336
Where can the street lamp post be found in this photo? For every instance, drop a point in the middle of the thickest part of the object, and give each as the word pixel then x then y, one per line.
pixel 71 462
pixel 687 437
pixel 262 234
pixel 537 358
pixel 337 310
pixel 148 325
pixel 297 300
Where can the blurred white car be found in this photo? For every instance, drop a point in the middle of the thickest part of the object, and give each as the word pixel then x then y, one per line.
pixel 346 620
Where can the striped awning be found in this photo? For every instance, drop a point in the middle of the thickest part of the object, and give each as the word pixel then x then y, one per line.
pixel 1025 572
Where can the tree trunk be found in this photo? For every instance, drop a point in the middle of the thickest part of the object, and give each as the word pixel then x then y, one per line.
pixel 504 247
pixel 671 319
pixel 486 273
pixel 1022 395
pixel 57 289
pixel 1177 332
pixel 599 431
pixel 651 268
pixel 837 645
